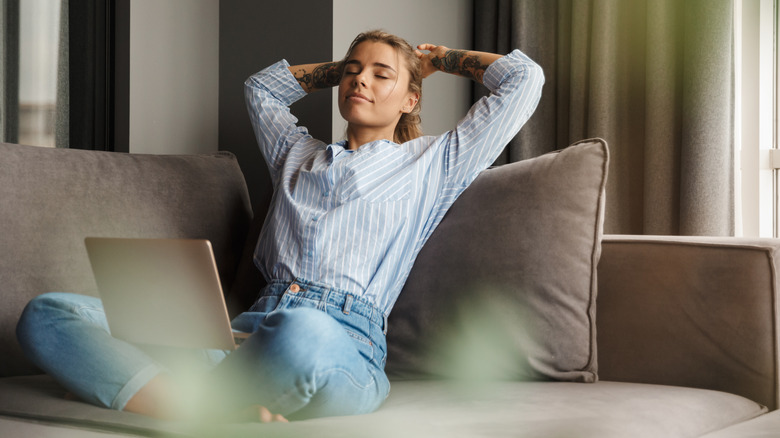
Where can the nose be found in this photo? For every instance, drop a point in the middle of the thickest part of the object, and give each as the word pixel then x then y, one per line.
pixel 360 79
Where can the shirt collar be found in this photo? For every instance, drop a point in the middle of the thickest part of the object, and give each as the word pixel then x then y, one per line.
pixel 340 147
pixel 334 149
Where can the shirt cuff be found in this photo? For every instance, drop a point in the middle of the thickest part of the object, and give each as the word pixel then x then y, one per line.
pixel 278 79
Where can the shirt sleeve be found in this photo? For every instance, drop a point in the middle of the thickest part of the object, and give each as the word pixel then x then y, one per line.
pixel 515 83
pixel 269 94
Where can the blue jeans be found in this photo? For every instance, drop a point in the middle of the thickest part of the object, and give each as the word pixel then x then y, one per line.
pixel 314 351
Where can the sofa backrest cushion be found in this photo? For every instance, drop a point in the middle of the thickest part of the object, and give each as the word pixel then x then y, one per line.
pixel 506 286
pixel 53 198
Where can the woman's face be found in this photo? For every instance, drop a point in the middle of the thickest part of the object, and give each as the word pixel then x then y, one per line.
pixel 374 89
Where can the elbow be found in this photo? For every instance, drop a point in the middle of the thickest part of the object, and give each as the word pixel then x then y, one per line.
pixel 536 74
pixel 251 83
pixel 249 90
pixel 535 79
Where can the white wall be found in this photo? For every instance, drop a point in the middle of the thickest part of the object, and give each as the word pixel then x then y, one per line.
pixel 174 76
pixel 446 98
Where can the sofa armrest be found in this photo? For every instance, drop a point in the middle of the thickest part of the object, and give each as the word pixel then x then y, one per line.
pixel 690 311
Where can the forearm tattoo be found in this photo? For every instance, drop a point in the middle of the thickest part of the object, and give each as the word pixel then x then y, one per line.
pixel 461 63
pixel 323 76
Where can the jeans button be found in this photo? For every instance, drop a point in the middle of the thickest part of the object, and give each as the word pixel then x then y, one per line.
pixel 294 288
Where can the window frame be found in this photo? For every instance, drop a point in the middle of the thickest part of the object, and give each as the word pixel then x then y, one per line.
pixel 756 83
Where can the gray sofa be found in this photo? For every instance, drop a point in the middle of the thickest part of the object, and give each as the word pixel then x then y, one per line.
pixel 518 319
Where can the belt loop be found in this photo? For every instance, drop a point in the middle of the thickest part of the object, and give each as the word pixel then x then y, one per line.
pixel 348 304
pixel 384 324
pixel 324 300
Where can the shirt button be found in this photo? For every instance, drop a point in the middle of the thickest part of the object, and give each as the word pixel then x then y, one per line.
pixel 294 288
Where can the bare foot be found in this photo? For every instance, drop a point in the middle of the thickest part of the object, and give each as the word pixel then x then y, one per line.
pixel 262 414
pixel 157 399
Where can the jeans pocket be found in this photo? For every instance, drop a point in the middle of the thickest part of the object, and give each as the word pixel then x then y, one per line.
pixel 379 343
pixel 359 338
pixel 357 327
pixel 265 304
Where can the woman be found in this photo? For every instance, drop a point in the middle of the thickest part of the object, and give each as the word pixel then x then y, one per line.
pixel 345 225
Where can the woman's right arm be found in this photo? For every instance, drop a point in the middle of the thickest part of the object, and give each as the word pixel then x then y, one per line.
pixel 269 94
pixel 314 77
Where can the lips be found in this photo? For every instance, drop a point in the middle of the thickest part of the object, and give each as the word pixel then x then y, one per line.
pixel 358 96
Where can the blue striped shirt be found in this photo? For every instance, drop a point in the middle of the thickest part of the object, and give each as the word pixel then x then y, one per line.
pixel 356 221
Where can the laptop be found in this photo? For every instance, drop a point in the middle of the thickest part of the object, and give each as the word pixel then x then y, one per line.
pixel 163 292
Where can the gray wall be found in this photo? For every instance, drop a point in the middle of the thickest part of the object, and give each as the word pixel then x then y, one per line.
pixel 254 34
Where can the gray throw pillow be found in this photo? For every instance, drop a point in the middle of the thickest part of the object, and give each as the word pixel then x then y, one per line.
pixel 506 286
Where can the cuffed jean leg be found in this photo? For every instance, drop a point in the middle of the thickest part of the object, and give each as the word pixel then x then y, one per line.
pixel 66 335
pixel 301 363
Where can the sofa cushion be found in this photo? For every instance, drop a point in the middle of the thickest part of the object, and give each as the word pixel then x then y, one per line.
pixel 53 198
pixel 765 426
pixel 506 286
pixel 434 409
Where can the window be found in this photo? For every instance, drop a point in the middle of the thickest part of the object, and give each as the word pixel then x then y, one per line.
pixel 63 73
pixel 39 25
pixel 757 157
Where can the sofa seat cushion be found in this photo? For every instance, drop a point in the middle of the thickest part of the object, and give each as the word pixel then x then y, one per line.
pixel 765 426
pixel 434 409
pixel 19 428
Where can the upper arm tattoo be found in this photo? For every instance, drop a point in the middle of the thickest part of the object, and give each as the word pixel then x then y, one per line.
pixel 460 62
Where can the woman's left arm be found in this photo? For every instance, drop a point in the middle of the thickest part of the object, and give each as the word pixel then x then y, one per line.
pixel 467 63
pixel 515 84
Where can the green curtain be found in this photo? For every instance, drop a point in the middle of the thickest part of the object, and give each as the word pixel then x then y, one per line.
pixel 654 78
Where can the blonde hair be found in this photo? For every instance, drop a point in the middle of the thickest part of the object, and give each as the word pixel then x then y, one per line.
pixel 408 127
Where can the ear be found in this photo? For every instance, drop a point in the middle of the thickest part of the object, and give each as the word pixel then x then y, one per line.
pixel 411 102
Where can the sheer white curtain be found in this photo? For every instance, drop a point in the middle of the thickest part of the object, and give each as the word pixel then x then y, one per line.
pixel 33 71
